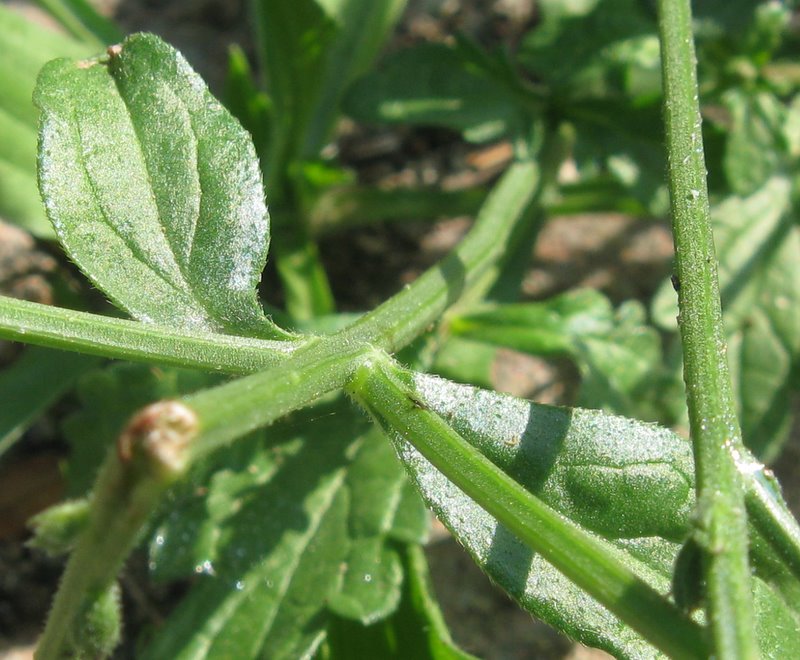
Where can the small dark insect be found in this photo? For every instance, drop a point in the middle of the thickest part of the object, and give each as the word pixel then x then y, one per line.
pixel 676 283
pixel 416 403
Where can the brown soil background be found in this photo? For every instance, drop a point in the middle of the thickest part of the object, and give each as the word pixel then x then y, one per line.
pixel 622 256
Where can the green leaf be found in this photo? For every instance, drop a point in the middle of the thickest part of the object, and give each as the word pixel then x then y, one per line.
pixel 621 370
pixel 416 630
pixel 362 28
pixel 250 106
pixel 368 590
pixel 24 49
pixel 757 244
pixel 311 50
pixel 591 47
pixel 622 139
pixel 382 500
pixel 434 84
pixel 617 353
pixel 100 628
pixel 540 328
pixel 615 476
pixel 19 199
pixel 32 383
pixel 56 529
pixel 153 188
pixel 600 61
pixel 740 26
pixel 83 21
pixel 332 493
pixel 774 571
pixel 466 361
pixel 777 623
pixel 777 616
pixel 283 526
pixel 494 419
pixel 271 563
pixel 756 148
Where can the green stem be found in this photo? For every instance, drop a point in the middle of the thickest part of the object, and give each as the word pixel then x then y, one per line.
pixel 151 454
pixel 55 327
pixel 231 410
pixel 721 526
pixel 770 515
pixel 325 364
pixel 318 366
pixel 406 315
pixel 592 563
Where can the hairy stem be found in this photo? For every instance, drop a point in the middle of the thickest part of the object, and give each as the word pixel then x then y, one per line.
pixel 150 455
pixel 721 526
pixel 55 327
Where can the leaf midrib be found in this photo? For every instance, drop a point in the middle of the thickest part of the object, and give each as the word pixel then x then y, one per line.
pixel 134 248
pixel 189 287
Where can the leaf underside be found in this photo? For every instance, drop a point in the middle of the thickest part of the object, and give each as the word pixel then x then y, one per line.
pixel 153 188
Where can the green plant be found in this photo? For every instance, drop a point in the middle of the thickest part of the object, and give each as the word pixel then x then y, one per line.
pixel 306 534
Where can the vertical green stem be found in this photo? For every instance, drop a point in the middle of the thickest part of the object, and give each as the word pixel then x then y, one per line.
pixel 716 436
pixel 305 282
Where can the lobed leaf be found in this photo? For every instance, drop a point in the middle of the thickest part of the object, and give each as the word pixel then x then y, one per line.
pixel 153 188
pixel 589 48
pixel 600 61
